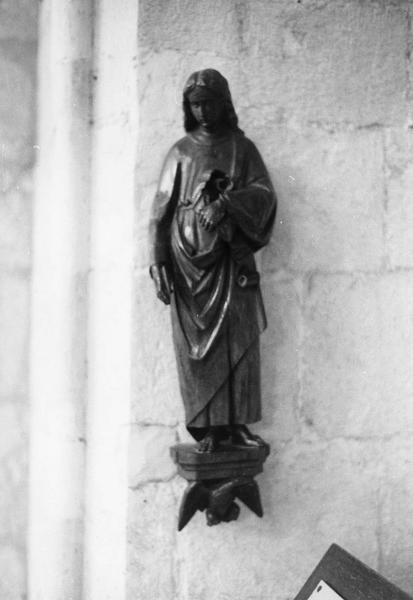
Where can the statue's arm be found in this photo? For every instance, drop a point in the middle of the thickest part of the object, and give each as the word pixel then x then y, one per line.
pixel 252 206
pixel 163 207
pixel 162 280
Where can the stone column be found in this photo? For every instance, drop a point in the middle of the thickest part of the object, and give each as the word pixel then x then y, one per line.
pixel 110 306
pixel 82 300
pixel 59 302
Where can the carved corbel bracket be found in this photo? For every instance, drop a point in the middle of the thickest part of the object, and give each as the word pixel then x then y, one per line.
pixel 217 479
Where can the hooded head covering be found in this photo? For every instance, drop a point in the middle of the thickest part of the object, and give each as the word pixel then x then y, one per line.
pixel 211 81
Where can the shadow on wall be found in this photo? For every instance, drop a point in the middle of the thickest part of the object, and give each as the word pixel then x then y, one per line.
pixel 280 343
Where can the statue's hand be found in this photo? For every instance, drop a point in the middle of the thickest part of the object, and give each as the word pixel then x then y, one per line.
pixel 162 281
pixel 210 215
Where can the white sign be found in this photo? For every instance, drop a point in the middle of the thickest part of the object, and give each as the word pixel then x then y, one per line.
pixel 324 592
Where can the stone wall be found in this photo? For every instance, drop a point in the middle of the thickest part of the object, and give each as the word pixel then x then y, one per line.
pixel 18 33
pixel 325 90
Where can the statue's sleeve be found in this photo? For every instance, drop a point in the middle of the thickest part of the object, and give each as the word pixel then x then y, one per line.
pixel 163 207
pixel 251 208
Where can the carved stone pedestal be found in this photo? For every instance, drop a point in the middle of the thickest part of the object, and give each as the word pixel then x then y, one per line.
pixel 216 479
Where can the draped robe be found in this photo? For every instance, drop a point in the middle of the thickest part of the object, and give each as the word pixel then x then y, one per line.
pixel 216 306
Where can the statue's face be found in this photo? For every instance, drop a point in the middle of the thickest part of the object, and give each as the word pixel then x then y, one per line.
pixel 207 109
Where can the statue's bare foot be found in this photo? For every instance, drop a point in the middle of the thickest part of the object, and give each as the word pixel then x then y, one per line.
pixel 242 436
pixel 210 442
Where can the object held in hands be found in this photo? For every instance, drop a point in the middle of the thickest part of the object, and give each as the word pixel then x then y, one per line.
pixel 213 209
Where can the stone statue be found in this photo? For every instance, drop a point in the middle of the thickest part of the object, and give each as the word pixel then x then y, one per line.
pixel 214 208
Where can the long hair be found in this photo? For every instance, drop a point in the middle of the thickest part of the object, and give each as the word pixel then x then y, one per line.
pixel 213 81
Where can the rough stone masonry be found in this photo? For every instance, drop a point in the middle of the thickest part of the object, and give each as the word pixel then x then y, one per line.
pixel 18 42
pixel 325 90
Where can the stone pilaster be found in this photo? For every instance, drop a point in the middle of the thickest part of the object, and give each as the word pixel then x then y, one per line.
pixel 59 308
pixel 111 297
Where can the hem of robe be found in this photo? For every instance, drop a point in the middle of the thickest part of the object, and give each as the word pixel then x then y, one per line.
pixel 237 419
pixel 198 433
pixel 260 326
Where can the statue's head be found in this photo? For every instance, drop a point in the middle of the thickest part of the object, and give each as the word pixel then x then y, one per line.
pixel 208 88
